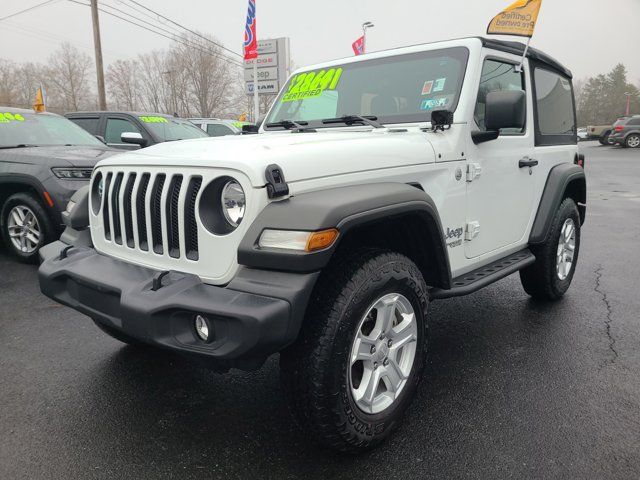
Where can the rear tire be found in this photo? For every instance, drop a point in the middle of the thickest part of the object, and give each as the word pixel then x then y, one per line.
pixel 632 141
pixel 25 226
pixel 550 276
pixel 329 374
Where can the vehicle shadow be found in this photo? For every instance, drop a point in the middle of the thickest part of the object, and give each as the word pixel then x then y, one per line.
pixel 155 411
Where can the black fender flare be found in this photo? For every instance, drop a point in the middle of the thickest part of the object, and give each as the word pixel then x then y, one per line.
pixel 33 183
pixel 564 180
pixel 344 208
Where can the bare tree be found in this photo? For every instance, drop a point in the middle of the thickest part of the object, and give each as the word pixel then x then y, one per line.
pixel 124 84
pixel 7 82
pixel 69 84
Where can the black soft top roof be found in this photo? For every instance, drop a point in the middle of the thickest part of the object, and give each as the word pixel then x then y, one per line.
pixel 517 48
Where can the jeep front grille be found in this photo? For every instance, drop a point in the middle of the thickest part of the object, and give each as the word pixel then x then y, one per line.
pixel 132 215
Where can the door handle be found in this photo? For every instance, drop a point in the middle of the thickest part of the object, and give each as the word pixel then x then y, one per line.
pixel 527 162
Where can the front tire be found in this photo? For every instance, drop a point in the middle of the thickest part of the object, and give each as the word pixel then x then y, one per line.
pixel 25 226
pixel 550 276
pixel 632 141
pixel 355 367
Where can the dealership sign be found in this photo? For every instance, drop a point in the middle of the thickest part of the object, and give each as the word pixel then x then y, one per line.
pixel 273 66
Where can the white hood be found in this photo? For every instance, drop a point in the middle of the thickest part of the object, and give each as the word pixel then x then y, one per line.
pixel 302 156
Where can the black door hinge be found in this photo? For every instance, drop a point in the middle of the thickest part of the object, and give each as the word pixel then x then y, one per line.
pixel 276 184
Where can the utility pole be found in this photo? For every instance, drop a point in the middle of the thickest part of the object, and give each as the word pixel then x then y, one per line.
pixel 102 98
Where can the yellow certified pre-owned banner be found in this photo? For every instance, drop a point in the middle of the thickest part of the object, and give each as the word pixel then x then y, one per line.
pixel 518 19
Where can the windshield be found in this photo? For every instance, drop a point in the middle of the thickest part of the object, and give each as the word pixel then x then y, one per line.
pixel 399 89
pixel 170 129
pixel 40 130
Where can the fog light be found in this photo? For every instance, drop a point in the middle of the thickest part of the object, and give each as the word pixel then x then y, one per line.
pixel 202 328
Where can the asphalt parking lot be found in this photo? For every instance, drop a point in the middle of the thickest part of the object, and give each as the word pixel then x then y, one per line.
pixel 513 389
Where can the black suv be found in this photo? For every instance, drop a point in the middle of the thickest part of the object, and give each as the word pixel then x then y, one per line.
pixel 626 132
pixel 132 130
pixel 44 159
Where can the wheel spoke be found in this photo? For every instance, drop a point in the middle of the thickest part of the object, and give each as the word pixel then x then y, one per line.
pixel 33 239
pixel 386 315
pixel 371 388
pixel 362 349
pixel 393 376
pixel 16 216
pixel 404 332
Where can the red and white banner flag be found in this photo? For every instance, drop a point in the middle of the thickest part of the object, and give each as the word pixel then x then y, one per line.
pixel 250 36
pixel 358 46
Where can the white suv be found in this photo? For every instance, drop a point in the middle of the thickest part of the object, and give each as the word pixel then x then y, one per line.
pixel 377 184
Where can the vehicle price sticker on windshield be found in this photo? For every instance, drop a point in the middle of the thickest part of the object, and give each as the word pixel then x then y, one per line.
pixel 153 119
pixel 312 84
pixel 7 117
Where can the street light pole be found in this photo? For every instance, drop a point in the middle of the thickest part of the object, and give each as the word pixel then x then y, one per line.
pixel 628 104
pixel 365 26
pixel 102 98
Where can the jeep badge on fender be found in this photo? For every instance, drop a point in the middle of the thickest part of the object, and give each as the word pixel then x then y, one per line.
pixel 376 184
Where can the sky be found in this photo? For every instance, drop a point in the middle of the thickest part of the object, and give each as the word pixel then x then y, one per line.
pixel 582 34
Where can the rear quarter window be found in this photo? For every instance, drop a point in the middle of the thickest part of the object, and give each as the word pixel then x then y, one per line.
pixel 555 109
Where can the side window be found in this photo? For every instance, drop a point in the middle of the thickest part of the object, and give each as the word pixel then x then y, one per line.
pixel 89 124
pixel 634 122
pixel 116 127
pixel 218 130
pixel 555 113
pixel 497 76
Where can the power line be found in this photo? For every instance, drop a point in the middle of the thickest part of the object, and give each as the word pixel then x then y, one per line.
pixel 185 28
pixel 29 9
pixel 177 40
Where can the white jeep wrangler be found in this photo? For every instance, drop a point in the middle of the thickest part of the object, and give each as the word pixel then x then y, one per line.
pixel 375 185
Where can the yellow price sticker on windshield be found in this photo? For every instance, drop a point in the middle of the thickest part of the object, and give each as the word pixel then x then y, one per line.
pixel 312 84
pixel 153 119
pixel 7 117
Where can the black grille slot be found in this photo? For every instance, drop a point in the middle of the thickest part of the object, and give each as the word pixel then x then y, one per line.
pixel 141 211
pixel 190 225
pixel 105 209
pixel 172 216
pixel 128 210
pixel 115 207
pixel 156 213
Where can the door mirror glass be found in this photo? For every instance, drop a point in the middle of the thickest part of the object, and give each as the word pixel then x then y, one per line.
pixel 134 138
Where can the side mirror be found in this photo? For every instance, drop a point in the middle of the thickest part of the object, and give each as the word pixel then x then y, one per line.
pixel 250 128
pixel 133 137
pixel 503 109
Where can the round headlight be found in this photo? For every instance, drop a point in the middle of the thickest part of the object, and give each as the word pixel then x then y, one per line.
pixel 233 202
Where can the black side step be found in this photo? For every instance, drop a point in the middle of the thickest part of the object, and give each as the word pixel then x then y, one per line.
pixel 474 281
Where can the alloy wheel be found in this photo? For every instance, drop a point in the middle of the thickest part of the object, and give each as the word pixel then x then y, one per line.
pixel 566 249
pixel 383 353
pixel 24 229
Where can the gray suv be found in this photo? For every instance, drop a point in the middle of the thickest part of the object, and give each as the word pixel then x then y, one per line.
pixel 44 160
pixel 626 132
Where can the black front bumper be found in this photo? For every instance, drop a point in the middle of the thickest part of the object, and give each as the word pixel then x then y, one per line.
pixel 257 314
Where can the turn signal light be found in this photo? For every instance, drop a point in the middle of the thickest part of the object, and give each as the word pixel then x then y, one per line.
pixel 321 240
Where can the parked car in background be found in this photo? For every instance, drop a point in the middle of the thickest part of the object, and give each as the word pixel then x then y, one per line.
pixel 599 132
pixel 583 134
pixel 44 159
pixel 133 130
pixel 626 132
pixel 217 127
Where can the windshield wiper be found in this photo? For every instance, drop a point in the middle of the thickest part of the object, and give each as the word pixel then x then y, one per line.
pixel 288 124
pixel 353 119
pixel 21 145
